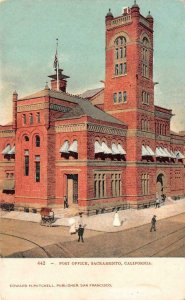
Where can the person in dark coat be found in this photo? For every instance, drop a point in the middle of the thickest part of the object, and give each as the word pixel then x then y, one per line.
pixel 80 233
pixel 153 223
pixel 65 202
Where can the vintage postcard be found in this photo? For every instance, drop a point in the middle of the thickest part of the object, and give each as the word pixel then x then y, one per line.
pixel 92 149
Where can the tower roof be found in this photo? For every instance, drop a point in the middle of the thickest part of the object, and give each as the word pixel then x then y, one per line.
pixel 60 75
pixel 109 14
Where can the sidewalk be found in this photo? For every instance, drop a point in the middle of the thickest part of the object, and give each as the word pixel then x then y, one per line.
pixel 103 222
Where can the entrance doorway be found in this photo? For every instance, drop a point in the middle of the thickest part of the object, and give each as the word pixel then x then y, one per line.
pixel 72 188
pixel 160 185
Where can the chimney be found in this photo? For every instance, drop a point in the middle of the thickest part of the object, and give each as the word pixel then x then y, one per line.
pixel 15 98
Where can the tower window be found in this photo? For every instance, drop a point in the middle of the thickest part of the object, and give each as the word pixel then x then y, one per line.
pixel 145 57
pixel 115 97
pixel 37 141
pixel 37 168
pixel 120 97
pixel 120 56
pixel 26 163
pixel 124 96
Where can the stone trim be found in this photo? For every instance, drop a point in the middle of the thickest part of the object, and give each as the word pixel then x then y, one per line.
pixel 71 127
pixel 7 133
pixel 91 163
pixel 37 106
pixel 91 127
pixel 106 129
pixel 60 108
pixel 140 133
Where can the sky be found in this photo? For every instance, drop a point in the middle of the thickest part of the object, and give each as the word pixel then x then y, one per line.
pixel 28 32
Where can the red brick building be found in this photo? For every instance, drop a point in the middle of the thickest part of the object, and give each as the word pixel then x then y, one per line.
pixel 109 147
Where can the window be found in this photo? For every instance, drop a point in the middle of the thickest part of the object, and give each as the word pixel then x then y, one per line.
pixel 115 97
pixel 26 163
pixel 38 117
pixel 26 138
pixel 116 69
pixel 31 119
pixel 120 56
pixel 37 141
pixel 145 97
pixel 116 185
pixel 145 184
pixel 145 57
pixel 120 97
pixel 121 69
pixel 124 96
pixel 37 168
pixel 124 68
pixel 99 185
pixel 24 119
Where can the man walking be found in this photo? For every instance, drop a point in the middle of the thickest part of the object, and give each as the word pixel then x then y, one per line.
pixel 80 233
pixel 153 223
pixel 157 203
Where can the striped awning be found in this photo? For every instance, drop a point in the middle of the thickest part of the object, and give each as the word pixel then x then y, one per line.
pixel 159 152
pixel 121 150
pixel 7 184
pixel 150 151
pixel 115 150
pixel 65 147
pixel 144 151
pixel 12 151
pixel 6 150
pixel 97 148
pixel 106 149
pixel 73 147
pixel 179 155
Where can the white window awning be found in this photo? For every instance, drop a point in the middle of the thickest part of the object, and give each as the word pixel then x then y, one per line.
pixel 97 148
pixel 74 147
pixel 179 155
pixel 65 147
pixel 121 150
pixel 145 152
pixel 159 152
pixel 172 154
pixel 167 152
pixel 6 150
pixel 106 149
pixel 115 149
pixel 12 151
pixel 151 152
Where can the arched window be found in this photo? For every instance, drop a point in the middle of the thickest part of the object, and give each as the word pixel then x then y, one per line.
pixel 120 56
pixel 145 57
pixel 26 138
pixel 37 141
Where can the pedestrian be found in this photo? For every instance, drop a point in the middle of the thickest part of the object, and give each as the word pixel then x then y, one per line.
pixel 65 202
pixel 116 221
pixel 72 223
pixel 80 220
pixel 157 203
pixel 153 223
pixel 80 233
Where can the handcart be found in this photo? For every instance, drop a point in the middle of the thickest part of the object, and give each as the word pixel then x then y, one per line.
pixel 47 216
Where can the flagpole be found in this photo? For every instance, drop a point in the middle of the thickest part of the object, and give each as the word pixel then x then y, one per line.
pixel 57 66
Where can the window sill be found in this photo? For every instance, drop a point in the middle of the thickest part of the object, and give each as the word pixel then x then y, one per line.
pixel 117 76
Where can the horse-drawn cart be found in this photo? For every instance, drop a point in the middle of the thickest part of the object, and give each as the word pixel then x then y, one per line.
pixel 47 216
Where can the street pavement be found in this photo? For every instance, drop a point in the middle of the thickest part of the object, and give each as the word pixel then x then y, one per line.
pixel 129 218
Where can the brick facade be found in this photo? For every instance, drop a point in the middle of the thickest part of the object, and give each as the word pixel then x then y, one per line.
pixel 55 134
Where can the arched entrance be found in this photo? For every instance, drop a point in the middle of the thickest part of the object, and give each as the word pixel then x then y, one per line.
pixel 160 185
